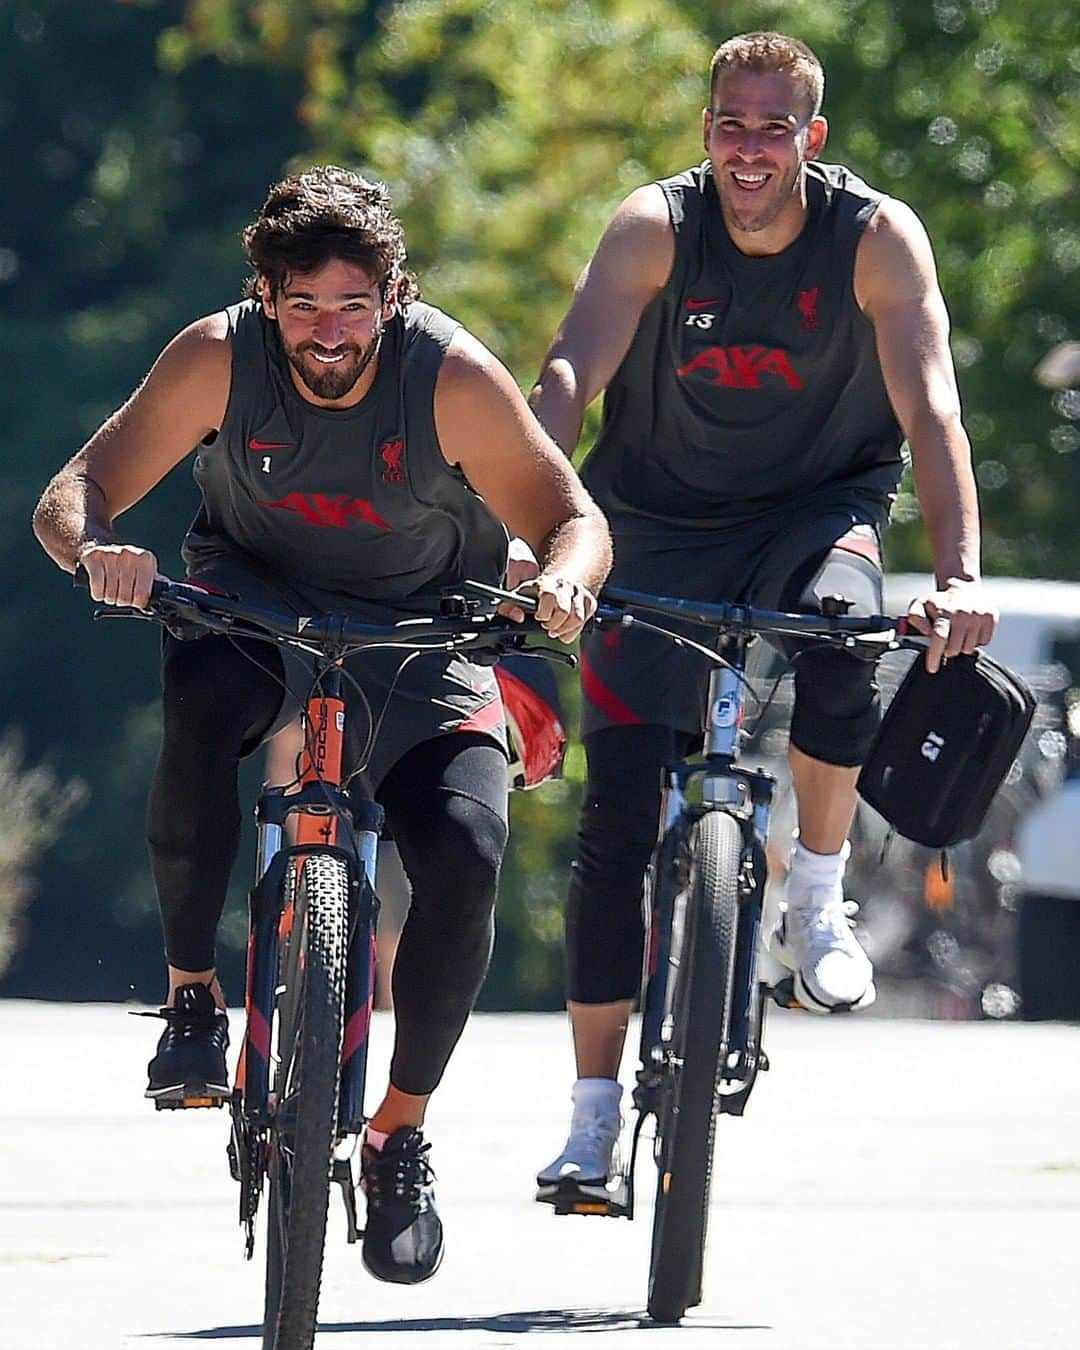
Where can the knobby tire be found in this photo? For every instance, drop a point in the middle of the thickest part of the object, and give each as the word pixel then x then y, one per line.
pixel 702 973
pixel 309 1020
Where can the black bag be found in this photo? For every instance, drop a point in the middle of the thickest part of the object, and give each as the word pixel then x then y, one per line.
pixel 945 744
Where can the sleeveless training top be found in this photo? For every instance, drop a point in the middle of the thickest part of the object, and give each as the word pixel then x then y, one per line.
pixel 350 511
pixel 751 382
pixel 354 504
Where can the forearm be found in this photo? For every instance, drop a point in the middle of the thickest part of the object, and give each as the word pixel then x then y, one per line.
pixel 72 513
pixel 580 547
pixel 948 498
pixel 559 403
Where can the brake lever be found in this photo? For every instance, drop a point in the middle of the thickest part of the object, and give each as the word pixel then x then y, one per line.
pixel 528 603
pixel 120 612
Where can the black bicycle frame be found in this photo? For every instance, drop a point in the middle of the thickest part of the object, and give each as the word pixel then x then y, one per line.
pixel 747 796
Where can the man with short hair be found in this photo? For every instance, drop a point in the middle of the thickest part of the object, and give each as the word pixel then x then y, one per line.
pixel 357 451
pixel 768 330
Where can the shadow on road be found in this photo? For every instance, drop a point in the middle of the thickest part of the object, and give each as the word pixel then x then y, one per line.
pixel 541 1319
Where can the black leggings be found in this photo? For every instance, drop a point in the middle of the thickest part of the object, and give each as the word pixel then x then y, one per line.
pixel 604 923
pixel 445 803
pixel 836 715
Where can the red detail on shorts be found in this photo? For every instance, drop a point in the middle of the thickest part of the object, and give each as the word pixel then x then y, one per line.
pixel 205 586
pixel 600 696
pixel 866 546
pixel 258 1033
pixel 486 718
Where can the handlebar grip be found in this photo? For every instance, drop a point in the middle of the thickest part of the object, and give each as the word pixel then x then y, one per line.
pixel 80 581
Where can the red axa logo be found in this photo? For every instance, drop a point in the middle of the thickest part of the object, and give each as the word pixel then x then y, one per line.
pixel 393 453
pixel 743 367
pixel 336 513
pixel 807 307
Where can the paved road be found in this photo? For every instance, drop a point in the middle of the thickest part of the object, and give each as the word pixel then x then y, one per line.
pixel 895 1186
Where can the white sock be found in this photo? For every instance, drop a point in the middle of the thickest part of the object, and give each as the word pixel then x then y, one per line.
pixel 809 871
pixel 376 1138
pixel 596 1097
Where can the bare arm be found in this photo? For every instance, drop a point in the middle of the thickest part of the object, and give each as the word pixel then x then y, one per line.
pixel 896 285
pixel 630 267
pixel 181 400
pixel 485 427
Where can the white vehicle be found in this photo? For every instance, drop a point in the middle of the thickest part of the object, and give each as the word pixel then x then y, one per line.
pixel 1038 636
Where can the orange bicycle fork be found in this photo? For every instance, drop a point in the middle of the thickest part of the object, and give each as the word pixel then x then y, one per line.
pixel 328 820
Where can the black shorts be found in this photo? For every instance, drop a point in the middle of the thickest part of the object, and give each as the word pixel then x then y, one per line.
pixel 396 700
pixel 634 678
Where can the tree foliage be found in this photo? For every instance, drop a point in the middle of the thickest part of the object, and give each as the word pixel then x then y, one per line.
pixel 508 132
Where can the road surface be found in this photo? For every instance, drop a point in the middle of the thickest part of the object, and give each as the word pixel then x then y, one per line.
pixel 895 1185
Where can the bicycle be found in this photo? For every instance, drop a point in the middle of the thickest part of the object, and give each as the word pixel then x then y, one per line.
pixel 297 1106
pixel 702 1002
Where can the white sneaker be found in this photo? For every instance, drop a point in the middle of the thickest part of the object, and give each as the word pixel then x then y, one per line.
pixel 591 1155
pixel 814 940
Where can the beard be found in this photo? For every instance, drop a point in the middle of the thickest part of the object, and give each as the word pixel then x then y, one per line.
pixel 336 381
pixel 749 216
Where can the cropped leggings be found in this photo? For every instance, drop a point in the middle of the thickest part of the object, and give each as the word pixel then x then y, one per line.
pixel 836 715
pixel 445 803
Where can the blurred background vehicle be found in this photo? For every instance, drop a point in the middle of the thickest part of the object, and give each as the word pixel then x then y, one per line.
pixel 995 932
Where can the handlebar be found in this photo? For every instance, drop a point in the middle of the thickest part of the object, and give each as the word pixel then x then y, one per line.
pixel 617 610
pixel 832 625
pixel 188 610
pixel 468 620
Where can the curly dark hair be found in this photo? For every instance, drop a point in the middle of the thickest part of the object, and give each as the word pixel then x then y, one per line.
pixel 324 213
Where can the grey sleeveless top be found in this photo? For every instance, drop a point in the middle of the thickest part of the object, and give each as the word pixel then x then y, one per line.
pixel 351 505
pixel 351 511
pixel 751 384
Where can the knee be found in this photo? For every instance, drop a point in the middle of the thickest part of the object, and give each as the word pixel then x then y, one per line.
pixel 460 856
pixel 837 706
pixel 614 835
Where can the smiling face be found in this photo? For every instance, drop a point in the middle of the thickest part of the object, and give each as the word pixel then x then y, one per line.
pixel 759 133
pixel 331 322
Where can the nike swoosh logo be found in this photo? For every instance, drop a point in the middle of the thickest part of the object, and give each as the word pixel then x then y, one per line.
pixel 704 304
pixel 256 444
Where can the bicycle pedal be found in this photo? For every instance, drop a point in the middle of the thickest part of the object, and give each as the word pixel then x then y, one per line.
pixel 783 994
pixel 569 1198
pixel 187 1103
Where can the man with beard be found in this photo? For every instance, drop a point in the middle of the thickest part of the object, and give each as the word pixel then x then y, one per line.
pixel 357 451
pixel 768 330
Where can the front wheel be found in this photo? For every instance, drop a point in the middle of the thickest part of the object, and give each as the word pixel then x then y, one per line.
pixel 702 963
pixel 308 1032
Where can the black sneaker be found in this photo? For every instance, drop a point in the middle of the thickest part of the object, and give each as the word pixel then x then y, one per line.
pixel 189 1067
pixel 403 1238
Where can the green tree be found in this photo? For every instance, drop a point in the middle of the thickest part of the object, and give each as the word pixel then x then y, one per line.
pixel 509 130
pixel 33 808
pixel 121 226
